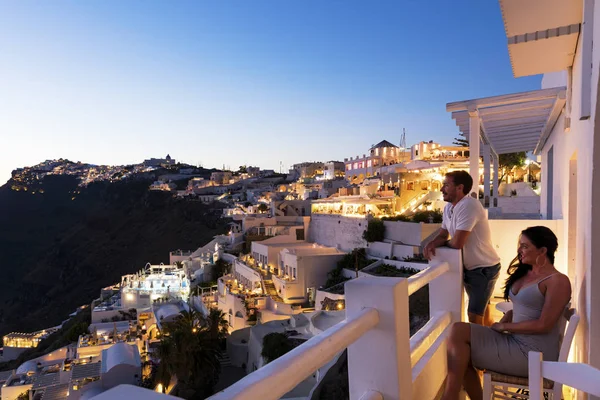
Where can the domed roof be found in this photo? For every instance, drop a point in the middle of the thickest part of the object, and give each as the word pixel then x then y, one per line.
pixel 27 366
pixel 118 354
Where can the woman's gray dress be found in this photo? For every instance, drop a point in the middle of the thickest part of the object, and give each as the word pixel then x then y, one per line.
pixel 508 353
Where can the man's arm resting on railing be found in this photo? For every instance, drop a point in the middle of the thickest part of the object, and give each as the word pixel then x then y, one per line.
pixel 458 240
pixel 440 240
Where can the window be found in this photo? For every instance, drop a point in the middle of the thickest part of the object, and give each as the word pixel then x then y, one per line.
pixel 294 273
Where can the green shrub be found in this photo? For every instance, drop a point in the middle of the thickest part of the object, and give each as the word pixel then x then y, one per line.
pixel 434 216
pixel 275 345
pixel 401 217
pixel 375 231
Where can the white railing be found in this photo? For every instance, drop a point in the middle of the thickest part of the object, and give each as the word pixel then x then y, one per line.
pixel 579 376
pixel 282 375
pixel 383 360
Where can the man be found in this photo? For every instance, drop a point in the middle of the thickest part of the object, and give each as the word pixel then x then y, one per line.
pixel 466 223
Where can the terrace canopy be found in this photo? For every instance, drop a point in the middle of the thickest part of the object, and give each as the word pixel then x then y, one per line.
pixel 506 124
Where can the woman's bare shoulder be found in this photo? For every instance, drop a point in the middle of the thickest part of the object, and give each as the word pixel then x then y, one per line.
pixel 558 281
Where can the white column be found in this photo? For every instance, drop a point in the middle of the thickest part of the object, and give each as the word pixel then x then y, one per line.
pixel 496 163
pixel 445 292
pixel 536 378
pixel 486 175
pixel 380 359
pixel 474 134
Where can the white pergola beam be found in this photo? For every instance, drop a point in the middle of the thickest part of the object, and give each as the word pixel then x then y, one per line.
pixel 515 122
pixel 513 98
pixel 486 174
pixel 527 143
pixel 508 123
pixel 497 134
pixel 496 163
pixel 474 126
pixel 531 105
pixel 556 110
pixel 520 129
pixel 537 126
pixel 514 148
pixel 540 113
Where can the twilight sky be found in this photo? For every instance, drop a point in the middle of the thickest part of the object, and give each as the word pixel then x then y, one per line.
pixel 239 82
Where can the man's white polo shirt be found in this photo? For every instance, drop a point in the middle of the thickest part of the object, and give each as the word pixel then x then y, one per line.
pixel 469 215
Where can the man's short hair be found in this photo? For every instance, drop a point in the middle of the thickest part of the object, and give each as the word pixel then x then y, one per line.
pixel 461 178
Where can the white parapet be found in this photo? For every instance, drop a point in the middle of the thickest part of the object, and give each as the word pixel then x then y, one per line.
pixel 383 360
pixel 282 375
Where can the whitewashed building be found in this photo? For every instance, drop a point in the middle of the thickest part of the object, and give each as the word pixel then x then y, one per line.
pixel 561 123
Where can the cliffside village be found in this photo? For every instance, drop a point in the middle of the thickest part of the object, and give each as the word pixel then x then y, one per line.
pixel 293 242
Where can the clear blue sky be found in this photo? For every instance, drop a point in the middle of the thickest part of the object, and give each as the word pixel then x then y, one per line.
pixel 239 82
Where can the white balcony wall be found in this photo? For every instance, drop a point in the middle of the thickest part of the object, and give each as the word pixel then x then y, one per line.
pixel 321 295
pixel 100 316
pixel 571 185
pixel 244 271
pixel 410 233
pixel 289 291
pixel 400 251
pixel 13 392
pixel 380 249
pixel 233 307
pixel 383 361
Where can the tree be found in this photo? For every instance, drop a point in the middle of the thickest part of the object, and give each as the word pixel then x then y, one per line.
pixel 221 268
pixel 461 141
pixel 217 324
pixel 263 208
pixel 375 231
pixel 506 162
pixel 188 351
pixel 275 345
pixel 243 169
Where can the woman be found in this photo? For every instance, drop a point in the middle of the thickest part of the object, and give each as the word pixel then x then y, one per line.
pixel 539 294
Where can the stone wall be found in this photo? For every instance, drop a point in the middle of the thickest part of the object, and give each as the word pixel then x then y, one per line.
pixel 344 233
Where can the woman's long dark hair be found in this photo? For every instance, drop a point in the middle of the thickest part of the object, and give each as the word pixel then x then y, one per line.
pixel 539 236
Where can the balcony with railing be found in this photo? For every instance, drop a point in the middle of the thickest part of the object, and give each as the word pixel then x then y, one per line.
pixel 384 360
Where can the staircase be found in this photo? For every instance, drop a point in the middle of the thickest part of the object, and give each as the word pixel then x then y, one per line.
pixel 422 199
pixel 224 360
pixel 271 291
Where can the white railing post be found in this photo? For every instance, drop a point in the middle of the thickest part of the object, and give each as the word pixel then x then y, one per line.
pixel 445 306
pixel 446 291
pixel 535 375
pixel 380 360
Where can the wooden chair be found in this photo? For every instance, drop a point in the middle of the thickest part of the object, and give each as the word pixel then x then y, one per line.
pixel 498 386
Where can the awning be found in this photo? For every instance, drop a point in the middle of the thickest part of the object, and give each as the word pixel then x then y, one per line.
pixel 542 34
pixel 513 122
